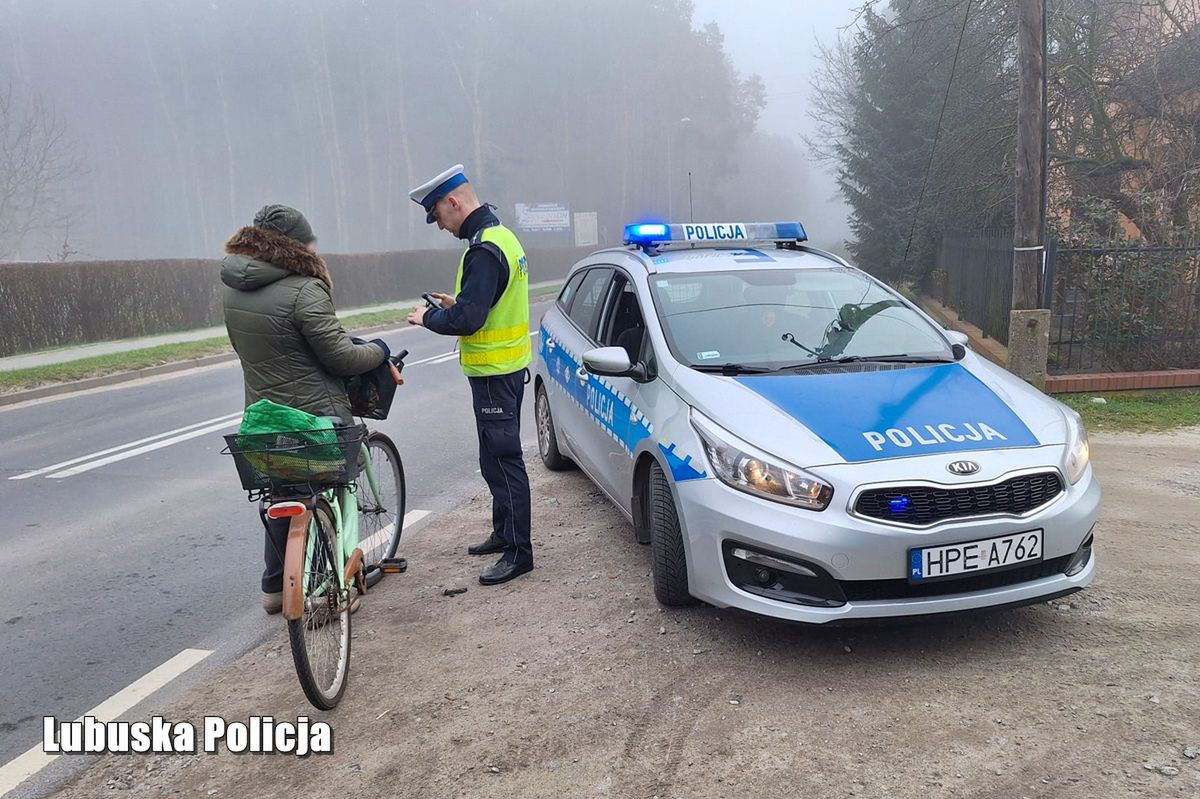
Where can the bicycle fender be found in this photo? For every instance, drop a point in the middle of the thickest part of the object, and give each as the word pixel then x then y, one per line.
pixel 293 566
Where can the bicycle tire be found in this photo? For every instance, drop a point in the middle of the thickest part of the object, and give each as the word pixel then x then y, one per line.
pixel 374 538
pixel 323 631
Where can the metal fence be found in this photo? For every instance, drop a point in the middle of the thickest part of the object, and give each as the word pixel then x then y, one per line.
pixel 1112 308
pixel 974 277
pixel 1124 309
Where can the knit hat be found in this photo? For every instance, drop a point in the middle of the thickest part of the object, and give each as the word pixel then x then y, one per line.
pixel 286 220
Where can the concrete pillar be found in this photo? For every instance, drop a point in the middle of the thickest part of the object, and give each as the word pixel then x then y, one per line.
pixel 1029 345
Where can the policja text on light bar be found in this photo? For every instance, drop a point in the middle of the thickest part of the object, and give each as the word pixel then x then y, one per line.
pixel 656 233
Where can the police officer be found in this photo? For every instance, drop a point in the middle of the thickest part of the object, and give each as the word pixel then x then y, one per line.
pixel 490 314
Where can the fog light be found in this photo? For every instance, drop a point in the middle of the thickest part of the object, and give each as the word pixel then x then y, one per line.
pixel 759 559
pixel 779 578
pixel 1080 559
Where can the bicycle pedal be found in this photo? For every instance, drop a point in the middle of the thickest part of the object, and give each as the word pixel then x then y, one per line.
pixel 393 565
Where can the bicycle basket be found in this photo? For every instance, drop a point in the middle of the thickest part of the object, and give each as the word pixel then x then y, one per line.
pixel 311 458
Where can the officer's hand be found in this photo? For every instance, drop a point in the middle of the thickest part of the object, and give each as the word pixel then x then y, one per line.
pixel 417 317
pixel 445 300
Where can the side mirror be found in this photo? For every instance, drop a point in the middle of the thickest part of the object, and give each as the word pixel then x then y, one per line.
pixel 612 362
pixel 958 343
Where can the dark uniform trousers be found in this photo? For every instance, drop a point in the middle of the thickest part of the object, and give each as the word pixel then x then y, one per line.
pixel 497 402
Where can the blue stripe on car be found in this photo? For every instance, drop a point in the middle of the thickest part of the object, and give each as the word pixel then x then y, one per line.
pixel 608 408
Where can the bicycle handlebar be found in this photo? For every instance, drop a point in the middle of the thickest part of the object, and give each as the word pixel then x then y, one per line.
pixel 397 363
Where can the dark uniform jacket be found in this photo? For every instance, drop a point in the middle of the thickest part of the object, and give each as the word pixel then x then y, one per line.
pixel 281 321
pixel 484 279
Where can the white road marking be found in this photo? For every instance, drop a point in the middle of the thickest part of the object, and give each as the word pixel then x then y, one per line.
pixel 410 518
pixel 24 766
pixel 119 447
pixel 133 453
pixel 430 359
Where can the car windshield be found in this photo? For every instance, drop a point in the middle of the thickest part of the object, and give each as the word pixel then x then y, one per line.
pixel 768 319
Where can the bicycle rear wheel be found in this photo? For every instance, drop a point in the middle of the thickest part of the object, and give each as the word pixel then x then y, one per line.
pixel 321 637
pixel 381 518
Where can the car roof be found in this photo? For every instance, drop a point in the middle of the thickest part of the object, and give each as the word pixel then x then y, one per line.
pixel 682 260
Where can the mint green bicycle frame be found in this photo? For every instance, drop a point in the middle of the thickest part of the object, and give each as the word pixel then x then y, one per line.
pixel 344 501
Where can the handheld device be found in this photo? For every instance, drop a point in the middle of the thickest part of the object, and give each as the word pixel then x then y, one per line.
pixel 431 301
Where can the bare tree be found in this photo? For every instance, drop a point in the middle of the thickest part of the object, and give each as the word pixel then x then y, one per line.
pixel 36 162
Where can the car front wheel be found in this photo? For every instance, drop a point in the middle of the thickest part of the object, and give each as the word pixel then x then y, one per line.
pixel 666 542
pixel 547 443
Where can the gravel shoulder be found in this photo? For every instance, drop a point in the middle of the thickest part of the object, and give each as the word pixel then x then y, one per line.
pixel 571 681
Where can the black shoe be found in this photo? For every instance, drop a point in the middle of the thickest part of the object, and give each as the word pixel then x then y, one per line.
pixel 503 571
pixel 488 547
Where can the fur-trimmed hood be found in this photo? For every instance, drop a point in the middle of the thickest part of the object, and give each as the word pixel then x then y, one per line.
pixel 273 249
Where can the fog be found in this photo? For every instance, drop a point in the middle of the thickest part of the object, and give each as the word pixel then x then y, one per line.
pixel 138 129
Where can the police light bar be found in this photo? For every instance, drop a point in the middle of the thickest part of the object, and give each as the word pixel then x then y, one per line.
pixel 654 234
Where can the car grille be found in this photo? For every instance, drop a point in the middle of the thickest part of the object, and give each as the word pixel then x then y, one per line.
pixel 868 590
pixel 923 505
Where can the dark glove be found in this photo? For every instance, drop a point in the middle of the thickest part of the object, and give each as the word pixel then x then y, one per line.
pixel 383 346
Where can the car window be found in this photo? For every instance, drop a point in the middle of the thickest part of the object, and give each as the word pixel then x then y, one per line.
pixel 564 297
pixel 587 299
pixel 623 324
pixel 779 317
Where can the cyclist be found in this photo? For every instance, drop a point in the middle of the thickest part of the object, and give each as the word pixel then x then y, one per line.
pixel 294 351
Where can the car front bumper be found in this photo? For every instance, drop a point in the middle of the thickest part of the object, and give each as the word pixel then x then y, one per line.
pixel 868 561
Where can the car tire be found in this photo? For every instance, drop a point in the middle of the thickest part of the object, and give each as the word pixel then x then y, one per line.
pixel 666 542
pixel 554 460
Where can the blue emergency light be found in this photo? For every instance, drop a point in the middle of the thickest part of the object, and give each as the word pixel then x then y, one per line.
pixel 657 234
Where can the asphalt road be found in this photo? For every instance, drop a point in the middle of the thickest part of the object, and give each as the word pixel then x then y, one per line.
pixel 140 543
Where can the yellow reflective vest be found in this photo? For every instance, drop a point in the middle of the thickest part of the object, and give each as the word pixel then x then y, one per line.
pixel 502 345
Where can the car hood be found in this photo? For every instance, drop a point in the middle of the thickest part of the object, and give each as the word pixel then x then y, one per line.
pixel 851 416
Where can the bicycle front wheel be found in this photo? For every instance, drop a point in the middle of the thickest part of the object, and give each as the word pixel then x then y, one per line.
pixel 380 514
pixel 321 636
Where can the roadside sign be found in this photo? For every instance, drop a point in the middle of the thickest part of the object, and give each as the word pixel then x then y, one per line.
pixel 543 216
pixel 587 229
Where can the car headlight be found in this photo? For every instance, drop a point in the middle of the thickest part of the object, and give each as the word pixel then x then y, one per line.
pixel 741 466
pixel 1078 451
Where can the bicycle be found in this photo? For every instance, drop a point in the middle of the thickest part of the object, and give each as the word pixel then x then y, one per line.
pixel 315 478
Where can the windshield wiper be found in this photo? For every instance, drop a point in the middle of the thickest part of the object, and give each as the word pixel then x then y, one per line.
pixel 731 369
pixel 902 358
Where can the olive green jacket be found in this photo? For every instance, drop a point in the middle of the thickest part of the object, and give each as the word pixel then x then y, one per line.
pixel 280 317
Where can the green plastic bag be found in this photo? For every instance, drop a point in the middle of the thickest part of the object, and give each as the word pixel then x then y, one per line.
pixel 265 416
pixel 289 444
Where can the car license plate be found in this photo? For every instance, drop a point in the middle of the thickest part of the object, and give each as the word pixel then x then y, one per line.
pixel 973 557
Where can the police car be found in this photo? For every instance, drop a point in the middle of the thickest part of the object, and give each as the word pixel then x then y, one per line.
pixel 794 438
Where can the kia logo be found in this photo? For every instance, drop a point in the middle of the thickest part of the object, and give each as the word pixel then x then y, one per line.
pixel 963 467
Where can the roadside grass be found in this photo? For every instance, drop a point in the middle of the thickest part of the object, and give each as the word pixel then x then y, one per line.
pixel 99 365
pixel 144 358
pixel 132 360
pixel 1138 411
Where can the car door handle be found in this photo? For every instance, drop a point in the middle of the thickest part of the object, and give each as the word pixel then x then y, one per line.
pixel 582 374
pixel 550 344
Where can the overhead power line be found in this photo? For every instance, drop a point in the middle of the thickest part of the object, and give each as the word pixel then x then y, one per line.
pixel 937 133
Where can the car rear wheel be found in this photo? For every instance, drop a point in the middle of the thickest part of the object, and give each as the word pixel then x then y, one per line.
pixel 547 443
pixel 666 542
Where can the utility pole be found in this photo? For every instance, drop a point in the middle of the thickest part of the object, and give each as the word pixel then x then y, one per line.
pixel 1029 325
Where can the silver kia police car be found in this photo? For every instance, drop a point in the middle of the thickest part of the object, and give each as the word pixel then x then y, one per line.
pixel 794 438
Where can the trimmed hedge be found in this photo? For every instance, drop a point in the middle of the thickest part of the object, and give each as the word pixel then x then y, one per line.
pixel 61 304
